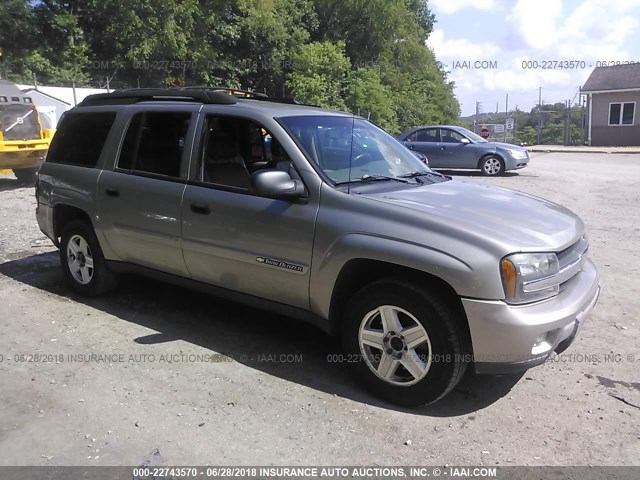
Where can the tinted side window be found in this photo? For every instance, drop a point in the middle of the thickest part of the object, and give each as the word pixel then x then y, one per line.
pixel 80 138
pixel 427 135
pixel 412 138
pixel 154 143
pixel 451 136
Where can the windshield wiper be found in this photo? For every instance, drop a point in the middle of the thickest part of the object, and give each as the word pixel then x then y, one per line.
pixel 374 178
pixel 419 173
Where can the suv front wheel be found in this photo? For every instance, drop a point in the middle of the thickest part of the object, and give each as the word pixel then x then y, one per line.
pixel 408 347
pixel 84 267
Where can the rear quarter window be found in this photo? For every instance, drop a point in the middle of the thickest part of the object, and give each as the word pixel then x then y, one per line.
pixel 80 138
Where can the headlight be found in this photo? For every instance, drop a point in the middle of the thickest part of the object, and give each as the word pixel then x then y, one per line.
pixel 520 269
pixel 517 153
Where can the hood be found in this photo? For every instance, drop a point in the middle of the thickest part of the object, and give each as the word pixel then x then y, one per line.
pixel 504 146
pixel 516 220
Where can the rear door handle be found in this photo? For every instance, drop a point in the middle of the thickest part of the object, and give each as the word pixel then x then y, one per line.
pixel 200 208
pixel 112 191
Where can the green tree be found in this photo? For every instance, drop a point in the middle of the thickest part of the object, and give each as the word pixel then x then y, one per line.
pixel 364 55
pixel 16 36
pixel 320 74
pixel 53 46
pixel 368 96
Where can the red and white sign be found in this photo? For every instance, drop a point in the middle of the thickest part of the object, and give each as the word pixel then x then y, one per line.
pixel 484 133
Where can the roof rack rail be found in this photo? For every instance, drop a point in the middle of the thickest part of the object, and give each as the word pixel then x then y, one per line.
pixel 239 93
pixel 135 95
pixel 236 92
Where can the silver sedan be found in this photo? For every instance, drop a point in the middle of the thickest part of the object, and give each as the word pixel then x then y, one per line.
pixel 451 147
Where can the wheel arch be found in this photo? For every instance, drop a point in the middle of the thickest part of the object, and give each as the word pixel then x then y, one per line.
pixel 63 214
pixel 360 272
pixel 491 154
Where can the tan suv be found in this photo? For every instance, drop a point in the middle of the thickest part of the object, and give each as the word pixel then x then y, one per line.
pixel 322 216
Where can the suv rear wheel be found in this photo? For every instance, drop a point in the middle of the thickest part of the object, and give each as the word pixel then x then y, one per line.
pixel 406 341
pixel 84 267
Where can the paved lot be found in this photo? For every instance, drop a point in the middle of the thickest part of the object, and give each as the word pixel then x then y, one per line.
pixel 269 395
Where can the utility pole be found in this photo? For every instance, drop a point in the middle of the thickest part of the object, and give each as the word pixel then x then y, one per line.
pixel 506 114
pixel 567 125
pixel 582 117
pixel 539 115
pixel 515 125
pixel 475 120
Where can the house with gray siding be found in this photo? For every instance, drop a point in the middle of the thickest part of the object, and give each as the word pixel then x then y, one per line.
pixel 613 99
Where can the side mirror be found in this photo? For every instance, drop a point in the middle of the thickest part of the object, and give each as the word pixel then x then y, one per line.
pixel 465 140
pixel 276 184
pixel 421 156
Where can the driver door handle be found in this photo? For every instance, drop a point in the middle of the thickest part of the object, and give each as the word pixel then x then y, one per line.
pixel 200 208
pixel 112 191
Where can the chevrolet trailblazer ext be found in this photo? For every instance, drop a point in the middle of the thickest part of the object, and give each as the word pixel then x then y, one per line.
pixel 322 216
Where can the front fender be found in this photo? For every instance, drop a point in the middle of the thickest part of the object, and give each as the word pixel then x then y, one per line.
pixel 328 265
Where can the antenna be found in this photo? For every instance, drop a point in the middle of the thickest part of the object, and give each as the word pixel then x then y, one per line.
pixel 353 125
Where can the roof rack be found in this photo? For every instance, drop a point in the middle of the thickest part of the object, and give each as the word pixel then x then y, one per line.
pixel 135 95
pixel 236 92
pixel 239 93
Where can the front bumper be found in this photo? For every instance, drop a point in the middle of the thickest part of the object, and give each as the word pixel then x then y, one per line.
pixel 513 163
pixel 508 338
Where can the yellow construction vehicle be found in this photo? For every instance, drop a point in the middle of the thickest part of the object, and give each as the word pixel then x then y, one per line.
pixel 23 141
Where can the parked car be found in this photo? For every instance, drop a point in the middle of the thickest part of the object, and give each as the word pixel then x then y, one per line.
pixel 451 147
pixel 337 224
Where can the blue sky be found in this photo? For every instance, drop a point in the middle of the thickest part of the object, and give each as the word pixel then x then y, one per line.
pixel 510 32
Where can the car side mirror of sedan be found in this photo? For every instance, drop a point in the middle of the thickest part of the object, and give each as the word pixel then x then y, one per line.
pixel 276 184
pixel 465 140
pixel 421 156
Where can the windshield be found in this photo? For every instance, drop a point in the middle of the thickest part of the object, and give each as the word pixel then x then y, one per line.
pixel 472 136
pixel 352 149
pixel 19 122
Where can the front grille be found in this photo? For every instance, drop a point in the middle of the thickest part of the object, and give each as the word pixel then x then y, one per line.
pixel 573 258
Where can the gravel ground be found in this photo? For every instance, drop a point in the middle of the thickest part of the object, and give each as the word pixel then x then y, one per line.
pixel 268 395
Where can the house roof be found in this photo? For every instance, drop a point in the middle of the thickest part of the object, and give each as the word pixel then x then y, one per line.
pixel 617 77
pixel 65 94
pixel 30 91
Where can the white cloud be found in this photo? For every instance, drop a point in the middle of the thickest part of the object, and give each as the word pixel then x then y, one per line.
pixel 460 48
pixel 595 28
pixel 598 29
pixel 453 6
pixel 542 30
pixel 535 21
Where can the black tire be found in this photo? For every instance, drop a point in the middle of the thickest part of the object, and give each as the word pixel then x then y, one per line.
pixel 492 166
pixel 101 278
pixel 435 315
pixel 26 175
